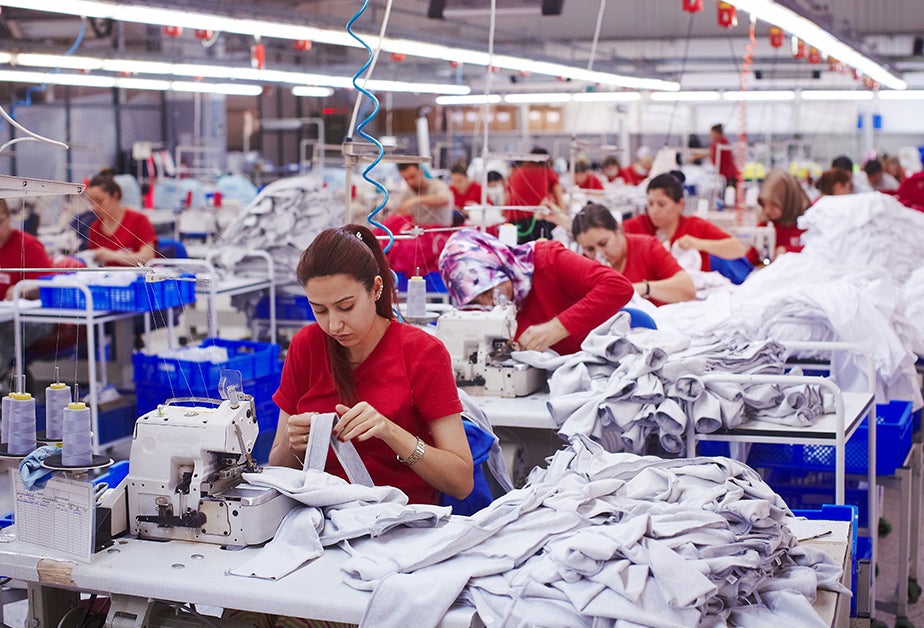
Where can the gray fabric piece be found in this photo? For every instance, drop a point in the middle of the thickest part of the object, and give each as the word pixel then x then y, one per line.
pixel 296 542
pixel 319 441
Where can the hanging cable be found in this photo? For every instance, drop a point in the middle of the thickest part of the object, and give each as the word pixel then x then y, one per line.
pixel 485 109
pixel 683 65
pixel 360 129
pixel 375 59
pixel 742 145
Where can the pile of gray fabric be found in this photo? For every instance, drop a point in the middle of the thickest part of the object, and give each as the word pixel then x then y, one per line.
pixel 627 386
pixel 283 220
pixel 603 539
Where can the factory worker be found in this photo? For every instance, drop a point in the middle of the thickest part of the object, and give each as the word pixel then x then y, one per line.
pixel 559 295
pixel 584 178
pixel 642 259
pixel 119 236
pixel 636 172
pixel 534 184
pixel 834 182
pixel 782 201
pixel 391 384
pixel 665 220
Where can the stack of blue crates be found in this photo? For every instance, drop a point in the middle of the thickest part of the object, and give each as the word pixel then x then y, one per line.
pixel 158 378
pixel 141 295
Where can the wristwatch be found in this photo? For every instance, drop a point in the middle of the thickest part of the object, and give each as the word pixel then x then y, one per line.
pixel 416 455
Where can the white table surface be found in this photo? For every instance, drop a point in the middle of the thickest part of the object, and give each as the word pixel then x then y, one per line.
pixel 195 572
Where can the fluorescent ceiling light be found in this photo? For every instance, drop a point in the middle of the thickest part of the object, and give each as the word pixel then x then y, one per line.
pixel 90 80
pixel 312 92
pixel 550 97
pixel 473 99
pixel 139 66
pixel 606 97
pixel 761 96
pixel 815 36
pixel 836 95
pixel 684 96
pixel 339 37
pixel 5 57
pixel 911 94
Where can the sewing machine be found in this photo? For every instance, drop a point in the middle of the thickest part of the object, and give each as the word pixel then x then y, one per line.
pixel 479 345
pixel 185 476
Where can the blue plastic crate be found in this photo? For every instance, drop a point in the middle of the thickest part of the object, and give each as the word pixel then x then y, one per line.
pixel 893 442
pixel 433 280
pixel 261 448
pixel 262 389
pixel 812 490
pixel 289 307
pixel 174 377
pixel 860 546
pixel 139 296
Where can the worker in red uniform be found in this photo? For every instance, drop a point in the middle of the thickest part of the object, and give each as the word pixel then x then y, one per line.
pixel 560 295
pixel 464 192
pixel 535 184
pixel 636 172
pixel 782 200
pixel 119 236
pixel 642 259
pixel 584 178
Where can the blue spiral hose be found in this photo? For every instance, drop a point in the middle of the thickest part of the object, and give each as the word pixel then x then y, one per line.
pixel 362 125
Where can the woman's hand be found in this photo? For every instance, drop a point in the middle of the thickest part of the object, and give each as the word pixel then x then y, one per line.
pixel 361 422
pixel 541 337
pixel 298 429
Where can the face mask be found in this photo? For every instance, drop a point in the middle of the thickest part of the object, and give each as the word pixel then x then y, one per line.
pixel 496 195
pixel 601 257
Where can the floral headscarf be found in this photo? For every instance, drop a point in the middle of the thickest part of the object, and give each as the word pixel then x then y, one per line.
pixel 473 262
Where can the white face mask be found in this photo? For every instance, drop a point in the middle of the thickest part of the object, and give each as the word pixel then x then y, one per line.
pixel 602 258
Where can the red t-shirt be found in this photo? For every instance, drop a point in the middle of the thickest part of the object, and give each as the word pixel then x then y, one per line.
pixel 472 196
pixel 726 164
pixel 529 185
pixel 21 250
pixel 646 258
pixel 631 176
pixel 788 236
pixel 686 225
pixel 580 292
pixel 133 233
pixel 408 378
pixel 591 183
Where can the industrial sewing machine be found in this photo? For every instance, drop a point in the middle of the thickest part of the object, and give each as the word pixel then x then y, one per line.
pixel 479 345
pixel 185 475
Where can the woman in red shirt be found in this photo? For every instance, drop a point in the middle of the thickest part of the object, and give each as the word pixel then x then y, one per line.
pixel 391 384
pixel 782 201
pixel 665 220
pixel 120 236
pixel 560 296
pixel 644 261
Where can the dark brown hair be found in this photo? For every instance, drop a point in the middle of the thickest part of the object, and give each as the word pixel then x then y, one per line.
pixel 671 183
pixel 593 215
pixel 104 179
pixel 350 250
pixel 829 178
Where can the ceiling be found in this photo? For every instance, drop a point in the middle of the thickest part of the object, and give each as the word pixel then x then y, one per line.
pixel 650 38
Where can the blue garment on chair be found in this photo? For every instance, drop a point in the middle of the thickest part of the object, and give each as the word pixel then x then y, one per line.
pixel 736 270
pixel 479 441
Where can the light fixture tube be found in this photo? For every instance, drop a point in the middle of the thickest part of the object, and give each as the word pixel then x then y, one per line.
pixel 607 97
pixel 139 66
pixel 312 92
pixel 472 99
pixel 816 37
pixel 761 96
pixel 91 80
pixel 910 94
pixel 822 94
pixel 551 97
pixel 339 37
pixel 705 96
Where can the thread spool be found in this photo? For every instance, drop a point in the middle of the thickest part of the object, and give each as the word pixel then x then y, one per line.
pixel 5 418
pixel 507 233
pixel 57 396
pixel 22 424
pixel 416 297
pixel 77 449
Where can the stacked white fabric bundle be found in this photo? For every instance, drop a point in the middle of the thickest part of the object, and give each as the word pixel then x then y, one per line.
pixel 599 538
pixel 626 386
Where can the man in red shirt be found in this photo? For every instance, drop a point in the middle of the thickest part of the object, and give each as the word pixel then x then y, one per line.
pixel 722 155
pixel 464 191
pixel 533 184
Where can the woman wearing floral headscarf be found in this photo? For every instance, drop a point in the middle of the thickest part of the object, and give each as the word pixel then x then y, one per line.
pixel 559 295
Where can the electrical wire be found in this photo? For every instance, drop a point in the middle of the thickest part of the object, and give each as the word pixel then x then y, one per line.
pixel 360 129
pixel 683 65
